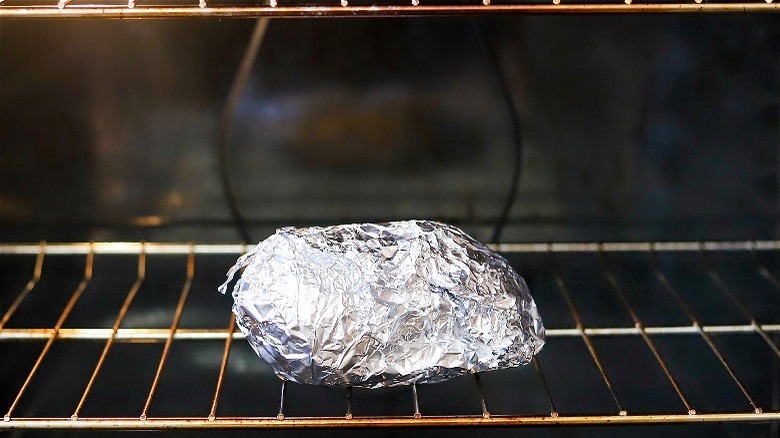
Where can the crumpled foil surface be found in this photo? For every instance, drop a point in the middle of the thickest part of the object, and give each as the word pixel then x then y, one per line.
pixel 375 305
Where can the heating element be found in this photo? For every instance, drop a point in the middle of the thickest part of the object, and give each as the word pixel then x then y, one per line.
pixel 623 268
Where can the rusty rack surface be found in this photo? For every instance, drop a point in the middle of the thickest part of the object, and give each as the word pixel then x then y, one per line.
pixel 274 8
pixel 686 412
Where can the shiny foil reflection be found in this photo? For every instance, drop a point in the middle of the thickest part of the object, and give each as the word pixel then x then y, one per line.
pixel 374 305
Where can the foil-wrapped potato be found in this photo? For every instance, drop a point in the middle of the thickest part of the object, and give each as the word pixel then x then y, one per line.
pixel 375 305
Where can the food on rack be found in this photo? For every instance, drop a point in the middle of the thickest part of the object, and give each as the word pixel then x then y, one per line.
pixel 375 305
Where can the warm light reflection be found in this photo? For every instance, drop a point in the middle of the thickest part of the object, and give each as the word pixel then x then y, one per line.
pixel 147 221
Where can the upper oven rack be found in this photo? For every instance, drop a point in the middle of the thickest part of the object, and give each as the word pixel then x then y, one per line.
pixel 359 8
pixel 685 411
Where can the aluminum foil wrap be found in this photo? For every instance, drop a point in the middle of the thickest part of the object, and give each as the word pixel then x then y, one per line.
pixel 374 305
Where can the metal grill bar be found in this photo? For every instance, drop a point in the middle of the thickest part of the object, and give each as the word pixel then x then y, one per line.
pixel 417 414
pixel 338 422
pixel 280 415
pixel 227 335
pixel 133 335
pixel 126 305
pixel 68 307
pixel 543 381
pixel 174 325
pixel 509 248
pixel 701 330
pixel 581 329
pixel 723 287
pixel 764 271
pixel 228 343
pixel 413 8
pixel 618 290
pixel 29 287
pixel 348 415
pixel 483 404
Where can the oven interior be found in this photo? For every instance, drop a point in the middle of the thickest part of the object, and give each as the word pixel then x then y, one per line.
pixel 645 219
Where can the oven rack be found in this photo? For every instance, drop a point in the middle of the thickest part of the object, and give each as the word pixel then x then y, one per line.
pixel 359 8
pixel 685 410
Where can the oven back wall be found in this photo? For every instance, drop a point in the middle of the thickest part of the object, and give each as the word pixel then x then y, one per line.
pixel 657 127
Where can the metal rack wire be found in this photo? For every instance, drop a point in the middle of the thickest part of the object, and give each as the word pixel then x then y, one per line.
pixel 223 8
pixel 686 412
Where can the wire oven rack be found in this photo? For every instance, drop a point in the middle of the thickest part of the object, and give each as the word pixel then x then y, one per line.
pixel 109 335
pixel 275 8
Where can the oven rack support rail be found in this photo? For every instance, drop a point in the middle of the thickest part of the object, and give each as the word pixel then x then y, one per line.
pixel 686 412
pixel 135 9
